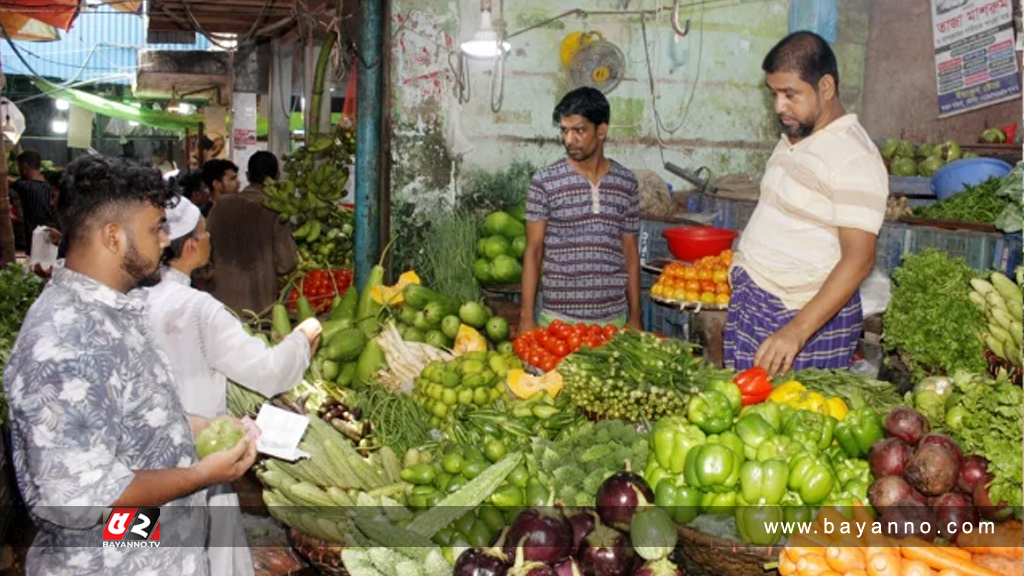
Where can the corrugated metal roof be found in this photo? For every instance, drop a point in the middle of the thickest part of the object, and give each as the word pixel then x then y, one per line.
pixel 106 42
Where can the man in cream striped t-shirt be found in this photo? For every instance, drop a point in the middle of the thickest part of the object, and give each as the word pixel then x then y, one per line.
pixel 811 240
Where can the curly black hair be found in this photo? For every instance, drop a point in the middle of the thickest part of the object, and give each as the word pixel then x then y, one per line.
pixel 92 185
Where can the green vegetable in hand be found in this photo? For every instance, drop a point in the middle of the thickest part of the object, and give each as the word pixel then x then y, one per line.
pixel 218 436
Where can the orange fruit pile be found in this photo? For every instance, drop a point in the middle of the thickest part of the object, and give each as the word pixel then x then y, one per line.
pixel 705 281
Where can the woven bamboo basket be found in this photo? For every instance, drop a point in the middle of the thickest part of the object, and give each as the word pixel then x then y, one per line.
pixel 725 557
pixel 323 555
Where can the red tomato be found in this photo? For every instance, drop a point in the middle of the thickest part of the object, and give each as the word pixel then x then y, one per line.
pixel 548 363
pixel 580 330
pixel 594 342
pixel 593 330
pixel 610 331
pixel 574 342
pixel 535 358
pixel 561 349
pixel 561 331
pixel 551 344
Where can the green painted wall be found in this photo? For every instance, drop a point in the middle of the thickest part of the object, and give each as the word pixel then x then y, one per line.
pixel 709 91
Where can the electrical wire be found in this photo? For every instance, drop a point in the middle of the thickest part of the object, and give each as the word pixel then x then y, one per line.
pixel 238 40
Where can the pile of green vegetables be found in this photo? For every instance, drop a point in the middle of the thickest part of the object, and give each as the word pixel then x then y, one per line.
pixel 577 464
pixel 1012 191
pixel 931 321
pixel 18 290
pixel 636 377
pixel 978 203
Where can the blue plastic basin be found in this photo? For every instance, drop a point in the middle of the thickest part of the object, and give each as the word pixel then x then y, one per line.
pixel 951 178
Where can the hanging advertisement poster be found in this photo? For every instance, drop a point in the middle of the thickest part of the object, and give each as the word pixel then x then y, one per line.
pixel 975 61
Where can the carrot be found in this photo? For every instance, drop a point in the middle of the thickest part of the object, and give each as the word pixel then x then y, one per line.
pixel 950 572
pixel 795 553
pixel 958 552
pixel 856 573
pixel 811 566
pixel 786 566
pixel 844 558
pixel 1000 564
pixel 916 568
pixel 884 565
pixel 940 560
pixel 861 514
pixel 872 551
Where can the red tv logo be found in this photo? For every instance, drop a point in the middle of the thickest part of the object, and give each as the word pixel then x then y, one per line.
pixel 132 528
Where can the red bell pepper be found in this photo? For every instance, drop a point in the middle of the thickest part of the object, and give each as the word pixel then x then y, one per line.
pixel 754 385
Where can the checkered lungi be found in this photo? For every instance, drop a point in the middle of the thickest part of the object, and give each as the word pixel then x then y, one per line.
pixel 754 315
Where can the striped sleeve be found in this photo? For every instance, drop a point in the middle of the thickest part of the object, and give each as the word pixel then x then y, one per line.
pixel 860 188
pixel 537 200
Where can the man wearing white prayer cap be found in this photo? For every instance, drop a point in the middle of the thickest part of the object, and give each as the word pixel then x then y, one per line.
pixel 207 345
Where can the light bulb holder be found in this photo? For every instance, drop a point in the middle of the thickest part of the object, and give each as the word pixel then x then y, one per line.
pixel 486 41
pixel 61 104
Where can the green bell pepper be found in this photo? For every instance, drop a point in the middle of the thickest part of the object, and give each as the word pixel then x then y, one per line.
pixel 777 448
pixel 763 482
pixel 858 431
pixel 681 502
pixel 811 477
pixel 849 470
pixel 711 412
pixel 751 523
pixel 858 489
pixel 730 391
pixel 730 440
pixel 713 467
pixel 753 430
pixel 719 504
pixel 771 412
pixel 655 474
pixel 811 429
pixel 796 513
pixel 672 438
pixel 843 502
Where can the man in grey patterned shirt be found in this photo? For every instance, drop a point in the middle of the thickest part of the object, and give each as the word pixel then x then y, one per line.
pixel 95 418
pixel 582 222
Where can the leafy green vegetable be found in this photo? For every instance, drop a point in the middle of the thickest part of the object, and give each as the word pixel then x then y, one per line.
pixel 19 288
pixel 994 428
pixel 931 320
pixel 1012 190
pixel 980 203
pixel 448 255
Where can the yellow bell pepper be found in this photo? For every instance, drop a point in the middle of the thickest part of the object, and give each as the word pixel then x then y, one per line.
pixel 796 395
pixel 392 295
pixel 787 393
pixel 837 408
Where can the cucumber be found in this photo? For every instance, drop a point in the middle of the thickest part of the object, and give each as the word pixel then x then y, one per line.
pixel 304 310
pixel 469 496
pixel 346 345
pixel 417 296
pixel 346 309
pixel 370 361
pixel 279 320
pixel 346 374
pixel 332 328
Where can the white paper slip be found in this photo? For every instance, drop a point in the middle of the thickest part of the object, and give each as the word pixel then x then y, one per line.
pixel 280 433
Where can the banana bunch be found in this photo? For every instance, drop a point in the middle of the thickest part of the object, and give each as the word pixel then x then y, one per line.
pixel 1001 300
pixel 330 493
pixel 317 174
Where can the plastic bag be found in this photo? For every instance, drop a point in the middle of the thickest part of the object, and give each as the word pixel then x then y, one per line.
pixel 42 252
pixel 875 293
pixel 818 16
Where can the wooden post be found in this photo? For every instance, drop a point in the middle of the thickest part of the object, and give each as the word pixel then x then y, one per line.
pixel 6 224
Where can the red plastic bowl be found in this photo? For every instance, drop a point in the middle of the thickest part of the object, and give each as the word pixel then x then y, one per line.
pixel 691 243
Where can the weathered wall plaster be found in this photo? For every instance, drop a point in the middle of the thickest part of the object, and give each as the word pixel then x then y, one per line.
pixel 709 92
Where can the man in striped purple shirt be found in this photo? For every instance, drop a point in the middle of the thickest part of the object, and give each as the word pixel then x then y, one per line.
pixel 582 223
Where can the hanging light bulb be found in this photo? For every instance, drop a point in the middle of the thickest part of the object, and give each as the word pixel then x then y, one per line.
pixel 486 42
pixel 173 105
pixel 59 126
pixel 62 104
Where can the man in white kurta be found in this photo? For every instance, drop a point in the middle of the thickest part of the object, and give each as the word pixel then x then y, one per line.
pixel 207 345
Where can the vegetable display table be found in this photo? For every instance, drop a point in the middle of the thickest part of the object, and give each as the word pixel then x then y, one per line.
pixel 707 326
